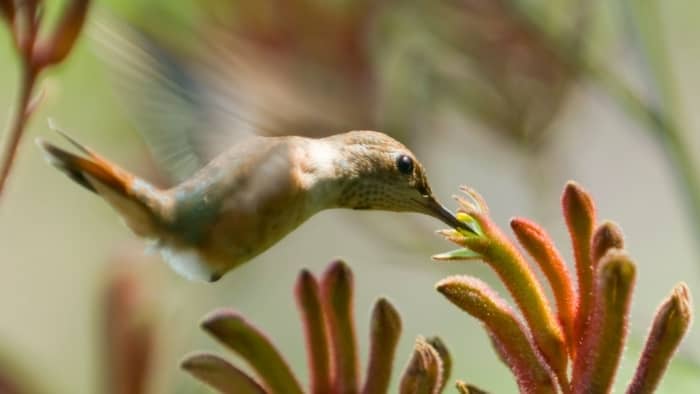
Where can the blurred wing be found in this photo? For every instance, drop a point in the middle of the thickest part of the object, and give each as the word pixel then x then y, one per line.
pixel 186 112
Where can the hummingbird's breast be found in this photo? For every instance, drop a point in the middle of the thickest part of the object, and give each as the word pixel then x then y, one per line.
pixel 245 201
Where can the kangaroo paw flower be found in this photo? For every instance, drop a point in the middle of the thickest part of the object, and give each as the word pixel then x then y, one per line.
pixel 670 326
pixel 326 307
pixel 510 336
pixel 597 359
pixel 579 213
pixel 423 374
pixel 500 254
pixel 221 375
pixel 592 320
pixel 539 245
pixel 385 331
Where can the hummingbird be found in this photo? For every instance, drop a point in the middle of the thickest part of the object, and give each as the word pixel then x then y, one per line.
pixel 256 192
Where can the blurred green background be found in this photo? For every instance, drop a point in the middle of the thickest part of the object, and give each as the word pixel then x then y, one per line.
pixel 58 242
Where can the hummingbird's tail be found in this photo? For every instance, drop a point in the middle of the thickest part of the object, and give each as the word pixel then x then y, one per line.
pixel 143 206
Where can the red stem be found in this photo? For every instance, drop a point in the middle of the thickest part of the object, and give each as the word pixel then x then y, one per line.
pixel 16 131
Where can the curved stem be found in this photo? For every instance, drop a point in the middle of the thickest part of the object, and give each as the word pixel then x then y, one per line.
pixel 19 123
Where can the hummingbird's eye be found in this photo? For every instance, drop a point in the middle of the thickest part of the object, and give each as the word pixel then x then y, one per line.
pixel 404 164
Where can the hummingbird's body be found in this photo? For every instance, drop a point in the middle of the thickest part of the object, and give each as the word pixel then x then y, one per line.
pixel 237 206
pixel 252 195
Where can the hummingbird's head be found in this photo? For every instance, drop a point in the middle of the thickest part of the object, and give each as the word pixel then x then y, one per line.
pixel 381 173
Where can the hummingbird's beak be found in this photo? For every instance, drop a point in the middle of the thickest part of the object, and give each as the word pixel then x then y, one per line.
pixel 439 211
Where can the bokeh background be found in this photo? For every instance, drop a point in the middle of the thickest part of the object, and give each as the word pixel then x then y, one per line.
pixel 478 89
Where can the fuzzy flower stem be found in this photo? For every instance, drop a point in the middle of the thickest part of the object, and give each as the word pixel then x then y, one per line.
pixel 516 274
pixel 579 212
pixel 511 338
pixel 309 302
pixel 670 325
pixel 599 355
pixel 541 248
pixel 336 290
pixel 384 337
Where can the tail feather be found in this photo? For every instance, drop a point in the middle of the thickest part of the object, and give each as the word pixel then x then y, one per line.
pixel 140 204
pixel 76 167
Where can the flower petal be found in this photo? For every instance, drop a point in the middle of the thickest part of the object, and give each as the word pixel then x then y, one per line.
pixel 220 375
pixel 510 336
pixel 423 374
pixel 337 293
pixel 541 248
pixel 598 357
pixel 670 326
pixel 309 302
pixel 237 334
pixel 579 212
pixel 458 255
pixel 384 337
pixel 465 388
pixel 607 236
pixel 445 357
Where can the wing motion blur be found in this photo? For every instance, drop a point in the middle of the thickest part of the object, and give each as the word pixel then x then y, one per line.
pixel 192 104
pixel 168 100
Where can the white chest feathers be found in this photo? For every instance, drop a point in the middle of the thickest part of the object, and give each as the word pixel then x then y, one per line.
pixel 187 262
